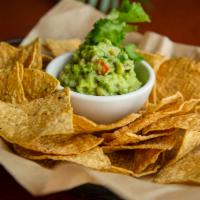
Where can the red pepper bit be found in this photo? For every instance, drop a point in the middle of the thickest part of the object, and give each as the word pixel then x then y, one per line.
pixel 105 67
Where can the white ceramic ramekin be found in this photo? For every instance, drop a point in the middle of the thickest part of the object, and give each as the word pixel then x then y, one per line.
pixel 107 109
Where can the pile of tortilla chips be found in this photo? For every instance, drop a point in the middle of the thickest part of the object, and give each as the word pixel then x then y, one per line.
pixel 161 140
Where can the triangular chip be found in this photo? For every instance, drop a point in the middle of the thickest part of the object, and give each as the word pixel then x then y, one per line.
pixel 8 55
pixel 30 55
pixel 58 47
pixel 21 124
pixel 189 121
pixel 143 158
pixel 63 144
pixel 84 125
pixel 123 161
pixel 186 170
pixel 131 138
pixel 162 141
pixel 94 158
pixel 38 84
pixel 11 88
pixel 179 74
pixel 155 60
pixel 186 142
pixel 165 109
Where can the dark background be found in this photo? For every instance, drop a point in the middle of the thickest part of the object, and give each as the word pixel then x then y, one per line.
pixel 177 19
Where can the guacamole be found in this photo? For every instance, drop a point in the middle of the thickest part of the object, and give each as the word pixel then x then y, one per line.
pixel 102 70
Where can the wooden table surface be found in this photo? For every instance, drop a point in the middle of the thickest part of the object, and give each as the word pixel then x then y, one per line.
pixel 177 19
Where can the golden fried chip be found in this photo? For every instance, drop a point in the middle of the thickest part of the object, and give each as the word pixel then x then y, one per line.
pixel 11 88
pixel 21 124
pixel 186 142
pixel 123 159
pixel 186 170
pixel 38 84
pixel 179 74
pixel 63 144
pixel 143 158
pixel 189 121
pixel 58 47
pixel 165 141
pixel 132 138
pixel 8 55
pixel 175 121
pixel 84 125
pixel 140 159
pixel 122 162
pixel 94 158
pixel 155 60
pixel 14 90
pixel 30 55
pixel 171 103
pixel 123 135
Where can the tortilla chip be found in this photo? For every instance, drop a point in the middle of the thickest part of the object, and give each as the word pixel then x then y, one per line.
pixel 11 88
pixel 8 55
pixel 122 162
pixel 155 60
pixel 21 124
pixel 189 121
pixel 123 159
pixel 15 92
pixel 38 84
pixel 143 158
pixel 186 142
pixel 58 47
pixel 157 141
pixel 169 103
pixel 30 55
pixel 186 170
pixel 132 138
pixel 84 125
pixel 94 158
pixel 123 135
pixel 179 74
pixel 63 144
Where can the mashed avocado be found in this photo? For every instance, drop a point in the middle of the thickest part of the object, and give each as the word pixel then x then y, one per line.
pixel 102 69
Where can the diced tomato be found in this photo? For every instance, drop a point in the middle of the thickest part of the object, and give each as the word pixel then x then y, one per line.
pixel 105 67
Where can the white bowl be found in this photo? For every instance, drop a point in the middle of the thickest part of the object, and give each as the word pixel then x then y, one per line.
pixel 107 109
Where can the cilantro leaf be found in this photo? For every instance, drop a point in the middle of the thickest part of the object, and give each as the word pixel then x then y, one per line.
pixel 130 50
pixel 112 30
pixel 132 13
pixel 115 26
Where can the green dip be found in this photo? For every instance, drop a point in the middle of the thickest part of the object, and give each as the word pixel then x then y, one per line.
pixel 100 70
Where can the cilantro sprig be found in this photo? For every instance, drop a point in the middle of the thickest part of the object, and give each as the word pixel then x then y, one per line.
pixel 117 24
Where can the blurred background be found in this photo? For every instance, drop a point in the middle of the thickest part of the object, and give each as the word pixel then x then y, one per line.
pixel 177 19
